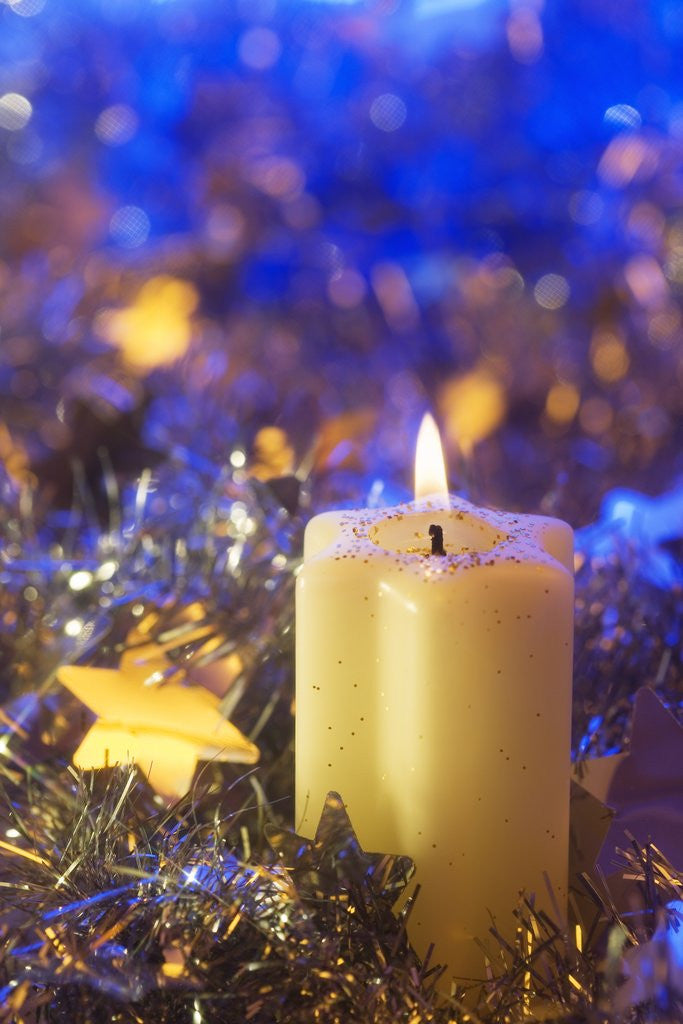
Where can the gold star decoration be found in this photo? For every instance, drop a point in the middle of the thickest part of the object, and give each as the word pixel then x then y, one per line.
pixel 334 859
pixel 162 726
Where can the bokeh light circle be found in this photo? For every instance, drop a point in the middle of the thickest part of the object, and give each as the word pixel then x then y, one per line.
pixel 259 48
pixel 623 115
pixel 116 125
pixel 388 112
pixel 129 227
pixel 26 8
pixel 551 291
pixel 15 111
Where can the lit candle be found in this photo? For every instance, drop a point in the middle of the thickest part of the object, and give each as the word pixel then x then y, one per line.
pixel 433 691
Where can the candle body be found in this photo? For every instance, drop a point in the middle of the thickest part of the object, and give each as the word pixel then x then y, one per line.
pixel 434 693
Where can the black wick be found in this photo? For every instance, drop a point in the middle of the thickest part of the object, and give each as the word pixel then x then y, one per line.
pixel 436 533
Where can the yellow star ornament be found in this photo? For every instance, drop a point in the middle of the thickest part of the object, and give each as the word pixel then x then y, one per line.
pixel 164 729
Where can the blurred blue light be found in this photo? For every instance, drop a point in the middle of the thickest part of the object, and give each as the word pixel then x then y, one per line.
pixel 622 115
pixel 433 8
pixel 644 524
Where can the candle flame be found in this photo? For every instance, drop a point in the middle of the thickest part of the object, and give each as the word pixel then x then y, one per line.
pixel 430 467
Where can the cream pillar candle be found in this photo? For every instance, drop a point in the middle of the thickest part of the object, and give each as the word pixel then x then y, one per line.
pixel 433 692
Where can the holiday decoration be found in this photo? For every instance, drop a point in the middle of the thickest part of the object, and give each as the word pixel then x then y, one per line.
pixel 334 859
pixel 162 726
pixel 460 669
pixel 656 967
pixel 243 247
pixel 116 907
pixel 645 787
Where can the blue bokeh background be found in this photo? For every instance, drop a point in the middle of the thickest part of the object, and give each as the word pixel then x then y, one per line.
pixel 378 205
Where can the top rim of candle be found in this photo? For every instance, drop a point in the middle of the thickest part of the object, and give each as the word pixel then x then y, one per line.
pixel 360 534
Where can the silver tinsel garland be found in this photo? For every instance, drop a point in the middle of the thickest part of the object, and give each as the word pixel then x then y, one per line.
pixel 116 907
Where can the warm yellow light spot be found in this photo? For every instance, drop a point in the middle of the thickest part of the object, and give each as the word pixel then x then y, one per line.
pixel 472 407
pixel 430 468
pixel 529 945
pixel 156 328
pixel 16 851
pixel 15 460
pixel 609 358
pixel 342 439
pixel 18 997
pixel 273 454
pixel 173 970
pixel 562 402
pixel 578 937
